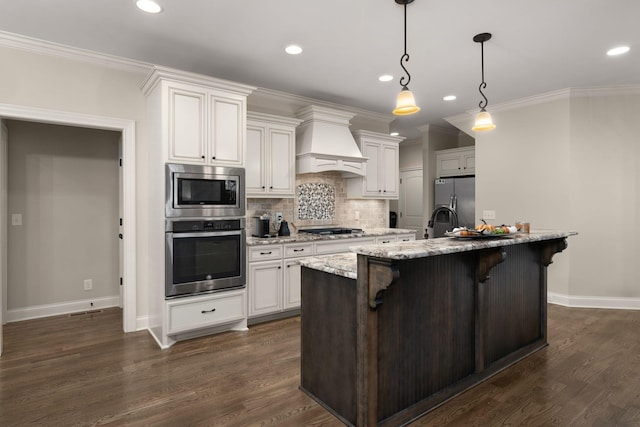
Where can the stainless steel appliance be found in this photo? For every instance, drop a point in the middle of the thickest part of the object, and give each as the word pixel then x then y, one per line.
pixel 204 256
pixel 204 191
pixel 454 204
pixel 331 230
pixel 261 227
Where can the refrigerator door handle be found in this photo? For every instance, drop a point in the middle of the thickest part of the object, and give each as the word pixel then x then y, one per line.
pixel 455 203
pixel 451 202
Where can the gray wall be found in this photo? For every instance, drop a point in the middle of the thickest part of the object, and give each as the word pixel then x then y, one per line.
pixel 64 182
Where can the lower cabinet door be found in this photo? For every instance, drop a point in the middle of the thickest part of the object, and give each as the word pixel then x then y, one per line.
pixel 292 284
pixel 265 287
pixel 190 313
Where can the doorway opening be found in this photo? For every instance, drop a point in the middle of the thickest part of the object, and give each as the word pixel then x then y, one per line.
pixel 126 129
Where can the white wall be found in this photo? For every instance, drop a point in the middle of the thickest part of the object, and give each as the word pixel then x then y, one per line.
pixel 64 182
pixel 52 82
pixel 571 163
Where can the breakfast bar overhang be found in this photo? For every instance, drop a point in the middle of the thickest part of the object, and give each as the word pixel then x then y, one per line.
pixel 392 331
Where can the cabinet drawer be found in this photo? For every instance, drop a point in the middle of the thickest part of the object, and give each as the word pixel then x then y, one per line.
pixel 298 250
pixel 343 245
pixel 199 312
pixel 406 237
pixel 385 239
pixel 265 253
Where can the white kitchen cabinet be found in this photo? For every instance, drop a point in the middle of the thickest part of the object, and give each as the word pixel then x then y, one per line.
pixel 274 277
pixel 382 177
pixel 191 119
pixel 191 313
pixel 270 165
pixel 205 126
pixel 455 162
pixel 265 292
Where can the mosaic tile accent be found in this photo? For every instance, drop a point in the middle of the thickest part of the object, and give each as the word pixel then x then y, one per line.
pixel 316 201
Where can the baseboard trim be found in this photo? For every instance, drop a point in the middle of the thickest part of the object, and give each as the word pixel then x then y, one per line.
pixel 576 301
pixel 47 310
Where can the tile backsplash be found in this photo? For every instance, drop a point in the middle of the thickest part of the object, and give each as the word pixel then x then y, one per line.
pixel 323 202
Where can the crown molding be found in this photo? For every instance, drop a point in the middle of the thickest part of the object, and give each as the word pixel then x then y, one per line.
pixel 278 96
pixel 29 44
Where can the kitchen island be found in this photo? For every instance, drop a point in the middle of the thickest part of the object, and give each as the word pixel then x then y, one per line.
pixel 389 332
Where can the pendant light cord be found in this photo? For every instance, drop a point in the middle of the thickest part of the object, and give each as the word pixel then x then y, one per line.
pixel 405 57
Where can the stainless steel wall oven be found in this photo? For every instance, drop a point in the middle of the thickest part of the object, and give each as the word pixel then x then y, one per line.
pixel 204 255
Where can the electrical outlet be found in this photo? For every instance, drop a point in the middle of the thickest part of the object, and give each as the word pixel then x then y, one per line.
pixel 88 284
pixel 357 214
pixel 488 214
pixel 278 216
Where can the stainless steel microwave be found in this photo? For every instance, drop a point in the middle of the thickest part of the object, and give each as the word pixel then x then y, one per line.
pixel 195 191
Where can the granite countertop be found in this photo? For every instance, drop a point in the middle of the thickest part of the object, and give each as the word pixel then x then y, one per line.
pixel 304 237
pixel 449 245
pixel 346 264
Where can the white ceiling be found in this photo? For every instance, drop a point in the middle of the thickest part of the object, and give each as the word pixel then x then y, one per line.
pixel 537 46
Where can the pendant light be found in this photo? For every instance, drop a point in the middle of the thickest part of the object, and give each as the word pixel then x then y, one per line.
pixel 483 119
pixel 406 103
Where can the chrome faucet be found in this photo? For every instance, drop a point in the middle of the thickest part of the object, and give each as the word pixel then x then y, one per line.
pixel 453 218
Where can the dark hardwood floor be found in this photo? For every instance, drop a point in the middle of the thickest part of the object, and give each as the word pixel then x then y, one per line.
pixel 82 370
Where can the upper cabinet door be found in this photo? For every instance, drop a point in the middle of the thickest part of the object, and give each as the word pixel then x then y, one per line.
pixel 391 166
pixel 226 131
pixel 187 118
pixel 282 161
pixel 256 151
pixel 373 184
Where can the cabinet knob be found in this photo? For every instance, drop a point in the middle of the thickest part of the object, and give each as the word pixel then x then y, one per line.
pixel 271 188
pixel 279 268
pixel 213 158
pixel 203 157
pixel 263 187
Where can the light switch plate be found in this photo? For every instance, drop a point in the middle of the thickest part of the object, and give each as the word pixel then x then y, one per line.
pixel 16 219
pixel 488 214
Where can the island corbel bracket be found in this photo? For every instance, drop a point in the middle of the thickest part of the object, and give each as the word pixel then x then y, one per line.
pixel 551 248
pixel 487 260
pixel 381 275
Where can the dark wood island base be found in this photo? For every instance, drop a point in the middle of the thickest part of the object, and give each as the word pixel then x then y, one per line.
pixel 421 323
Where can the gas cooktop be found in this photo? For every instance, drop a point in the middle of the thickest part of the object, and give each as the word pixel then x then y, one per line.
pixel 331 230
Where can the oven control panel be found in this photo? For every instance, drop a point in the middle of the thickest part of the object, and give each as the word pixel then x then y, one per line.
pixel 205 225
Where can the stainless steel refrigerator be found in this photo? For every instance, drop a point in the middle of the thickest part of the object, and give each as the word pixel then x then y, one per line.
pixel 454 204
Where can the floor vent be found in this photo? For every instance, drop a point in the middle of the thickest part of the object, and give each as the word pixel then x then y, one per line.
pixel 84 313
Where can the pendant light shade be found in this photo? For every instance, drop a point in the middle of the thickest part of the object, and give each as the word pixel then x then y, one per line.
pixel 406 102
pixel 484 121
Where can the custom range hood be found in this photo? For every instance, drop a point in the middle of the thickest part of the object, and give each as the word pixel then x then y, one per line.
pixel 324 143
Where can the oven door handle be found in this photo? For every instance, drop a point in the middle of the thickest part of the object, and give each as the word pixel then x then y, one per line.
pixel 206 234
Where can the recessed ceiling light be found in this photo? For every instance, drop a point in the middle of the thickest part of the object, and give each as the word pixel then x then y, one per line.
pixel 394 133
pixel 618 50
pixel 385 78
pixel 449 98
pixel 293 49
pixel 148 6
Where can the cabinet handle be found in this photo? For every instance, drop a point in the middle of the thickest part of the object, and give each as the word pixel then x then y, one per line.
pixel 379 191
pixel 384 191
pixel 386 241
pixel 266 253
pixel 298 250
pixel 279 268
pixel 213 158
pixel 271 188
pixel 406 240
pixel 208 311
pixel 263 187
pixel 203 157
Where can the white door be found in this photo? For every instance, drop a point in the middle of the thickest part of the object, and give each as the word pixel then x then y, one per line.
pixel 410 214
